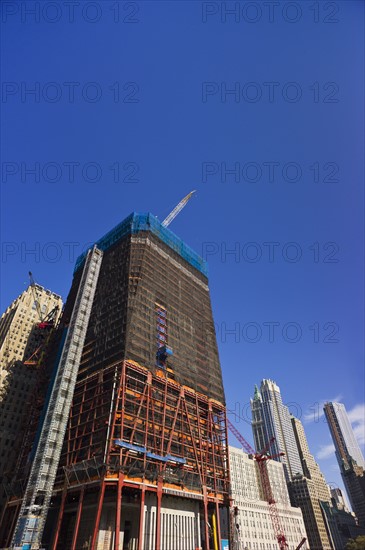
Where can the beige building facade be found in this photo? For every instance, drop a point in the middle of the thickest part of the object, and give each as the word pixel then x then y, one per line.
pixel 20 338
pixel 253 525
pixel 17 324
pixel 308 491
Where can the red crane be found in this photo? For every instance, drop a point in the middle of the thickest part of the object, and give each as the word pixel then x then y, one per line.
pixel 261 459
pixel 45 321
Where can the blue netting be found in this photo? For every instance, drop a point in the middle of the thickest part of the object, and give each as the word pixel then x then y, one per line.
pixel 148 222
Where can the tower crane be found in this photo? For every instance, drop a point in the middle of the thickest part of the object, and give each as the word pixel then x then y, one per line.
pixel 35 295
pixel 48 320
pixel 45 322
pixel 177 209
pixel 262 459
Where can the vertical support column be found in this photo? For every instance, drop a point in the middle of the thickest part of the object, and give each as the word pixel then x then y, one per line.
pixel 206 517
pixel 78 517
pixel 158 515
pixel 141 520
pixel 118 509
pixel 15 516
pixel 98 514
pixel 59 520
pixel 218 524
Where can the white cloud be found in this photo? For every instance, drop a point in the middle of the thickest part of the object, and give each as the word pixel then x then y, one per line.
pixel 326 451
pixel 315 411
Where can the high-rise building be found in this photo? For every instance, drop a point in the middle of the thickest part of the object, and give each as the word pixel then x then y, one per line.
pixel 309 491
pixel 303 493
pixel 144 463
pixel 253 527
pixel 307 486
pixel 20 338
pixel 311 469
pixel 349 457
pixel 344 440
pixel 271 419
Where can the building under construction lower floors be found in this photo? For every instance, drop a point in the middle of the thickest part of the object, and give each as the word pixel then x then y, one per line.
pixel 144 466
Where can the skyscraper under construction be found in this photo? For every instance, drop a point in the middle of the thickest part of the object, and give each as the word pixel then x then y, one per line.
pixel 144 462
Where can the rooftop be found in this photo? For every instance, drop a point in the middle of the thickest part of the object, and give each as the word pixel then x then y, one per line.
pixel 136 222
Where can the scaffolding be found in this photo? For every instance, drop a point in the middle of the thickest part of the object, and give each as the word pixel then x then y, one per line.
pixel 143 421
pixel 160 438
pixel 136 223
pixel 36 501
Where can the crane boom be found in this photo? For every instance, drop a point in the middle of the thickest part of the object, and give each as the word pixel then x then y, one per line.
pixel 301 543
pixel 177 209
pixel 35 296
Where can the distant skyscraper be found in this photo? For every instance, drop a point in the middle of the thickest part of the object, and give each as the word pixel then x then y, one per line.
pixel 349 457
pixel 311 469
pixel 270 418
pixel 308 491
pixel 342 433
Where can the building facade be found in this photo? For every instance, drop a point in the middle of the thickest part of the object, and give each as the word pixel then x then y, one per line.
pixel 349 457
pixel 144 463
pixel 271 419
pixel 19 336
pixel 311 469
pixel 309 491
pixel 304 493
pixel 253 529
pixel 21 342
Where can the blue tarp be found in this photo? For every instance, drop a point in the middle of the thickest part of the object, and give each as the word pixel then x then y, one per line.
pixel 148 222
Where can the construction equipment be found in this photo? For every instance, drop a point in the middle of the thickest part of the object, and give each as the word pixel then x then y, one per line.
pixel 261 459
pixel 48 320
pixel 36 501
pixel 177 209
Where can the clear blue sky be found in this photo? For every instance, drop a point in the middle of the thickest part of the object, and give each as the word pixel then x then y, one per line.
pixel 144 89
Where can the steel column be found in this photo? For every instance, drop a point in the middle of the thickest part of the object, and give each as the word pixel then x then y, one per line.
pixel 78 516
pixel 141 520
pixel 98 514
pixel 218 523
pixel 206 517
pixel 118 509
pixel 158 515
pixel 15 516
pixel 59 520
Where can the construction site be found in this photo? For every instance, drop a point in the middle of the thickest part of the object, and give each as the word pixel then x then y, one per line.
pixel 133 446
pixel 130 450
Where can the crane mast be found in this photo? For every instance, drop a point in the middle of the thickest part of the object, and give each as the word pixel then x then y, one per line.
pixel 35 295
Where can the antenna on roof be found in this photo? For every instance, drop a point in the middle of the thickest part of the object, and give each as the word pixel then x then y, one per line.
pixel 177 209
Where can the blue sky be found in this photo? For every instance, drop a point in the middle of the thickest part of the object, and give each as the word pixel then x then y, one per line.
pixel 261 111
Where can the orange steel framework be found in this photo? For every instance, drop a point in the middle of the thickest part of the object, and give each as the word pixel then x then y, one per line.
pixel 131 428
